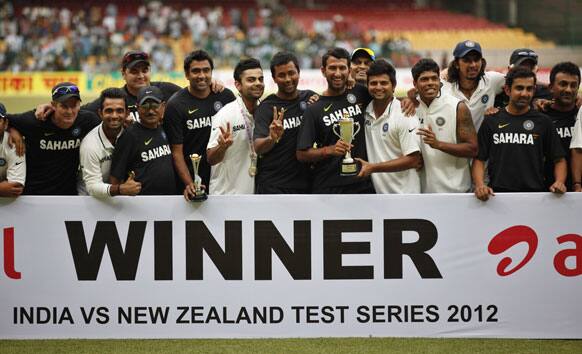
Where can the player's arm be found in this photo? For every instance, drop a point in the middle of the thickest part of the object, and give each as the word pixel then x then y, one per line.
pixel 180 163
pixel 466 136
pixel 91 170
pixel 317 154
pixel 482 191
pixel 15 175
pixel 265 144
pixel 560 173
pixel 576 169
pixel 402 163
pixel 220 141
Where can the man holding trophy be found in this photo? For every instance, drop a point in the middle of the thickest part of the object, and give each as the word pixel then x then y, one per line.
pixel 338 113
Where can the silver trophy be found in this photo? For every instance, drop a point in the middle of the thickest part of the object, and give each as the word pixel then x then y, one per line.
pixel 199 193
pixel 347 134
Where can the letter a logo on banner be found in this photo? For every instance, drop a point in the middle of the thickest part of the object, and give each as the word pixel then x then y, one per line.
pixel 509 238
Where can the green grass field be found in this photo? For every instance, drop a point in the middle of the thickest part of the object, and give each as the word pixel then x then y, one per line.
pixel 295 346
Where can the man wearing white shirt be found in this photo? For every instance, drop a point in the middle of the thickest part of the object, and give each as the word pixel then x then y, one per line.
pixel 230 150
pixel 391 140
pixel 467 80
pixel 12 166
pixel 98 146
pixel 449 140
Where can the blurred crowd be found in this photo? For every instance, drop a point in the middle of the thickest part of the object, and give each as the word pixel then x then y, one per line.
pixel 93 39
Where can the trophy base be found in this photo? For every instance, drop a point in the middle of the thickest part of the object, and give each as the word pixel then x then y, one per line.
pixel 349 168
pixel 199 197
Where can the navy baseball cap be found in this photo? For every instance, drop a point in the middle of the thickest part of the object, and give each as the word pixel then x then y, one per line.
pixel 65 90
pixel 149 93
pixel 465 47
pixel 2 111
pixel 520 55
pixel 366 51
pixel 134 57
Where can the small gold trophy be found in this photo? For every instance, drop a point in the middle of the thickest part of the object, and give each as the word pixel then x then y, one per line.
pixel 200 194
pixel 347 134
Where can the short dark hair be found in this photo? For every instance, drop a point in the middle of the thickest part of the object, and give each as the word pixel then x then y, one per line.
pixel 283 58
pixel 245 64
pixel 339 53
pixel 112 92
pixel 197 55
pixel 425 64
pixel 518 72
pixel 380 67
pixel 453 75
pixel 565 67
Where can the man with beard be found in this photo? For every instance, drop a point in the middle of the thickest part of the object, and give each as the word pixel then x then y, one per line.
pixel 317 142
pixel 277 122
pixel 188 119
pixel 467 80
pixel 448 136
pixel 362 58
pixel 142 152
pixel 564 84
pixel 230 150
pixel 98 146
pixel 516 141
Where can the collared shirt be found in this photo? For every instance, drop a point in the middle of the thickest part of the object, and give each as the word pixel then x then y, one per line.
pixel 96 152
pixel 489 85
pixel 12 166
pixel 388 137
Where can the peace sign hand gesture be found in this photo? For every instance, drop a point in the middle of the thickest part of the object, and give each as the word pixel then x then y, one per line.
pixel 276 128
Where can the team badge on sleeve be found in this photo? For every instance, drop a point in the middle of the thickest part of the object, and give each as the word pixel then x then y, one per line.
pixel 485 99
pixel 76 132
pixel 440 121
pixel 217 106
pixel 351 98
pixel 528 125
pixel 385 127
pixel 2 162
pixel 302 105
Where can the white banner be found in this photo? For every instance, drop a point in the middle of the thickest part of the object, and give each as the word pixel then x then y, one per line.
pixel 292 266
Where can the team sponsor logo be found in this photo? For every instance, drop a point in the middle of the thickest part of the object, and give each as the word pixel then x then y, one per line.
pixel 2 162
pixel 192 111
pixel 335 116
pixel 302 105
pixel 385 127
pixel 351 98
pixel 236 128
pixel 502 125
pixel 565 132
pixel 156 152
pixel 59 145
pixel 217 106
pixel 469 44
pixel 197 123
pixel 325 109
pixel 485 99
pixel 528 125
pixel 147 142
pixel 292 122
pixel 440 121
pixel 76 132
pixel 49 134
pixel 513 138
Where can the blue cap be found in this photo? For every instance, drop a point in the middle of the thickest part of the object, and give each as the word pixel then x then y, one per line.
pixel 463 48
pixel 2 111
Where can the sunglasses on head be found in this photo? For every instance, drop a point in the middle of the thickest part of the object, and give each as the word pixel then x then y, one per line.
pixel 130 57
pixel 150 105
pixel 63 90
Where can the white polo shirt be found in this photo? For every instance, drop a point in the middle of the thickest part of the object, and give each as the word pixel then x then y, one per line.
pixel 442 172
pixel 231 175
pixel 490 85
pixel 12 166
pixel 95 153
pixel 388 137
pixel 576 142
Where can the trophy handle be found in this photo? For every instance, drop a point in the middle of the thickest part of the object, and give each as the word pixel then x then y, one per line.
pixel 358 129
pixel 334 131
